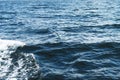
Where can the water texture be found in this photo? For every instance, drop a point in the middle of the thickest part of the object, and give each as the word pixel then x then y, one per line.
pixel 60 40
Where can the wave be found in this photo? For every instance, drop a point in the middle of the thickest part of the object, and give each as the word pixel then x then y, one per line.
pixel 58 49
pixel 16 64
pixel 110 25
pixel 75 61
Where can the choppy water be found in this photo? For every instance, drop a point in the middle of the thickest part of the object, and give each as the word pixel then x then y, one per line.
pixel 60 40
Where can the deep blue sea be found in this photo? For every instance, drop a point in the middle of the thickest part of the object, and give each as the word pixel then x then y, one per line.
pixel 60 39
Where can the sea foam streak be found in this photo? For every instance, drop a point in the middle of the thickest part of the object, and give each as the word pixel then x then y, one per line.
pixel 16 65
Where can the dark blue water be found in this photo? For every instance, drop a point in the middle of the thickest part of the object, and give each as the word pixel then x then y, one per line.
pixel 60 40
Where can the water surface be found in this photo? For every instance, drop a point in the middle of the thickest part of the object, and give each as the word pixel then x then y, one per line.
pixel 67 40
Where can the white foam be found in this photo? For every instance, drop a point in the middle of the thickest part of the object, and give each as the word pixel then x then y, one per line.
pixel 22 70
pixel 5 44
